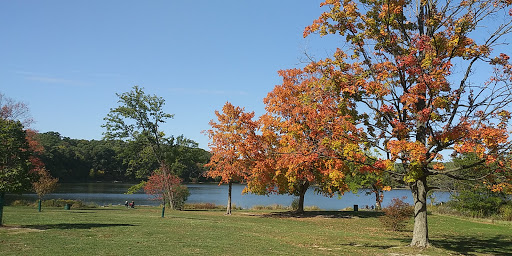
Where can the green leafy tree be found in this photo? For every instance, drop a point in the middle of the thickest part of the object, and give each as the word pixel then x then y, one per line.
pixel 104 159
pixel 137 119
pixel 186 160
pixel 374 183
pixel 65 158
pixel 478 202
pixel 137 159
pixel 15 164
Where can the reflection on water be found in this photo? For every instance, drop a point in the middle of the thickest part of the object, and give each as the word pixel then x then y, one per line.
pixel 113 193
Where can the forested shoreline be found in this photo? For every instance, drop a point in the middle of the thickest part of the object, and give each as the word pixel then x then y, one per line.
pixel 80 160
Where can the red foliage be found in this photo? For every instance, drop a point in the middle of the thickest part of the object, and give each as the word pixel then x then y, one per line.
pixel 159 184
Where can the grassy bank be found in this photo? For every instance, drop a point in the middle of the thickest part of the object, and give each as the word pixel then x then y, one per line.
pixel 141 231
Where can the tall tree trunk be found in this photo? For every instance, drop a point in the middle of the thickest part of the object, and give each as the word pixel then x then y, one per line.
pixel 167 186
pixel 39 205
pixel 378 199
pixel 230 186
pixel 163 208
pixel 2 194
pixel 170 197
pixel 419 187
pixel 378 205
pixel 303 187
pixel 420 232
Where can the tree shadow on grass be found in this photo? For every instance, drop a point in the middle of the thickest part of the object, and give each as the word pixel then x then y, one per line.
pixel 499 245
pixel 325 214
pixel 75 226
pixel 471 244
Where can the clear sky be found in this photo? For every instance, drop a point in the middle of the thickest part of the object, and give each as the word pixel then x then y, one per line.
pixel 68 59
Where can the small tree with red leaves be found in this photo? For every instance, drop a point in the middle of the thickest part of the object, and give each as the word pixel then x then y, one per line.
pixel 44 185
pixel 168 189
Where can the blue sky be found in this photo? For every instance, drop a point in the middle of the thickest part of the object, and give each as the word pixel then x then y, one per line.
pixel 68 59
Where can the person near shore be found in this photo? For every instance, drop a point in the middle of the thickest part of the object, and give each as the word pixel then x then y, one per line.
pixel 132 204
pixel 126 203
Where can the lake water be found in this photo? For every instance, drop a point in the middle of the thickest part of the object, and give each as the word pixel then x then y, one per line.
pixel 113 193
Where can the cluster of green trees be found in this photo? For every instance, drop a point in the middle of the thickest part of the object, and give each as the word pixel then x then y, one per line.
pixel 78 160
pixel 31 161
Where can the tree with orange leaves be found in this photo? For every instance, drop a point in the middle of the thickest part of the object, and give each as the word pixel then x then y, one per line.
pixel 233 141
pixel 300 115
pixel 424 79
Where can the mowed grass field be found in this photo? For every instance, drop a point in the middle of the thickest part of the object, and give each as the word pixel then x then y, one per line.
pixel 142 231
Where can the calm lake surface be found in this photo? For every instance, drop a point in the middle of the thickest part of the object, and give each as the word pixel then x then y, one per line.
pixel 113 193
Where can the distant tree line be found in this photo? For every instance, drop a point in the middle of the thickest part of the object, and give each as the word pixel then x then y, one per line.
pixel 79 160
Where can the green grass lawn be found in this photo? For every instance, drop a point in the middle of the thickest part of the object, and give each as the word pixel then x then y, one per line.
pixel 141 231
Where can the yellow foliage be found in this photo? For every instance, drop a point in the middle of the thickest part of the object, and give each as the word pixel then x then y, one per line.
pixel 414 173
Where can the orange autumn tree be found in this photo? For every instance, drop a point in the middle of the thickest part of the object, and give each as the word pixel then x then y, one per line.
pixel 233 139
pixel 293 156
pixel 425 79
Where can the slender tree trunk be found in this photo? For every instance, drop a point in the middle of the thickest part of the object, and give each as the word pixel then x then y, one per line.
pixel 39 205
pixel 230 186
pixel 378 205
pixel 170 196
pixel 378 199
pixel 302 191
pixel 420 232
pixel 167 186
pixel 163 208
pixel 2 194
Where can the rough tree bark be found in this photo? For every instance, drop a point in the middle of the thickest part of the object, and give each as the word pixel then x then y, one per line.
pixel 303 187
pixel 378 205
pixel 420 233
pixel 230 186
